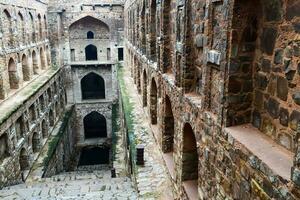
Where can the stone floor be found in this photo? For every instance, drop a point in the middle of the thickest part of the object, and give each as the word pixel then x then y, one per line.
pixel 153 181
pixel 73 185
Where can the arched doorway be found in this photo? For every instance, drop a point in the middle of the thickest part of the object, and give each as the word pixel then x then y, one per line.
pixel 190 162
pixel 23 160
pixel 35 142
pixel 144 88
pixel 13 74
pixel 92 87
pixel 153 102
pixel 91 52
pixel 94 156
pixel 94 125
pixel 168 133
pixel 25 68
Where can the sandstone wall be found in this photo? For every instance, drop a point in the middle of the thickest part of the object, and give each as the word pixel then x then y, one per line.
pixel 218 65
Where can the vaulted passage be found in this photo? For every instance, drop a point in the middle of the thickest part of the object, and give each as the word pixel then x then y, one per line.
pixel 91 52
pixel 94 125
pixel 92 87
pixel 94 156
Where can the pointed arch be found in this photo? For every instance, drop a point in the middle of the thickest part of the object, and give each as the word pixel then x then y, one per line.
pixel 43 59
pixel 168 127
pixel 24 160
pixel 35 62
pixel 8 29
pixel 13 74
pixel 25 68
pixel 35 142
pixel 145 88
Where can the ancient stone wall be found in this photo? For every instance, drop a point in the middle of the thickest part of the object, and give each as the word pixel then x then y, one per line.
pixel 25 51
pixel 225 73
pixel 63 149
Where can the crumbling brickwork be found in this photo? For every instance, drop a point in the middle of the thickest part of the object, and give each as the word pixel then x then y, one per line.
pixel 215 75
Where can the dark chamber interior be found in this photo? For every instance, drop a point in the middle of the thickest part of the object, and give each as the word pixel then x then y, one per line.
pixel 94 156
pixel 93 87
pixel 94 126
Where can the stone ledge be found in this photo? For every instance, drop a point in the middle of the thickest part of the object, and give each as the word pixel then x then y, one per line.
pixel 278 159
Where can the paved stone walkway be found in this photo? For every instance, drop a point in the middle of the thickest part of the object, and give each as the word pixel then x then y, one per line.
pixel 152 179
pixel 74 185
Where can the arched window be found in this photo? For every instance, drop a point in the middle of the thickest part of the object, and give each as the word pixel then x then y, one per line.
pixel 90 35
pixel 92 87
pixel 94 125
pixel 13 74
pixel 91 52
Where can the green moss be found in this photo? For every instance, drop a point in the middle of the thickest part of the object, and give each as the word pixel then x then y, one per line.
pixel 115 127
pixel 128 113
pixel 56 139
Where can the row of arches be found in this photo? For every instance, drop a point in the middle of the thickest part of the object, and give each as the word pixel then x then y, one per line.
pixel 170 133
pixel 23 67
pixel 29 28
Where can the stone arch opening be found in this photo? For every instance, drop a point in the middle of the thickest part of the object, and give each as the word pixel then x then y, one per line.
pixel 153 102
pixel 153 30
pixel 35 142
pixel 45 26
pixel 21 28
pixel 91 52
pixel 190 159
pixel 24 160
pixel 43 59
pixel 40 29
pixel 166 31
pixel 168 132
pixel 48 56
pixel 20 128
pixel 35 63
pixel 143 28
pixel 51 118
pixel 144 89
pixel 243 80
pixel 13 74
pixel 94 125
pixel 44 129
pixel 25 68
pixel 90 35
pixel 8 29
pixel 92 86
pixel 32 29
pixel 94 156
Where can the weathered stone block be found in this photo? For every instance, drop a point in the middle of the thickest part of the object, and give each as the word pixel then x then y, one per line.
pixel 282 88
pixel 284 116
pixel 294 120
pixel 268 40
pixel 273 108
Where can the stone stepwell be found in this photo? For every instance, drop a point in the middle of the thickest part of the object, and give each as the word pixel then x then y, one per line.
pixel 73 185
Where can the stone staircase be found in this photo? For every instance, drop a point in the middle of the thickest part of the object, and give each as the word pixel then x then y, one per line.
pixel 73 185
